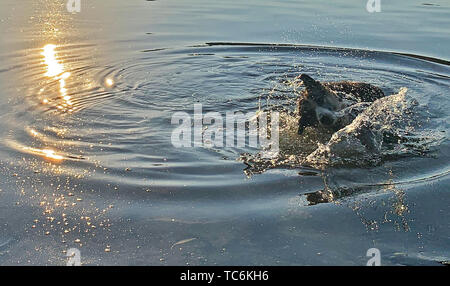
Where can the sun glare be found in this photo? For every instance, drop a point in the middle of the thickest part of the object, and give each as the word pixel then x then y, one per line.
pixel 54 67
pixel 109 82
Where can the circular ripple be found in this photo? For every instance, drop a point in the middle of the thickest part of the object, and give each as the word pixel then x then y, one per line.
pixel 119 116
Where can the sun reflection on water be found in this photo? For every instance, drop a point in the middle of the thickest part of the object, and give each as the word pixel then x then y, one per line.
pixel 54 67
pixel 49 154
pixel 109 82
pixel 55 70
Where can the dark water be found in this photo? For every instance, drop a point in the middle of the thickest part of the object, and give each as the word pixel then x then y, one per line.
pixel 87 159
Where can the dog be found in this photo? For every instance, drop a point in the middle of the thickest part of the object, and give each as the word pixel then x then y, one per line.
pixel 333 105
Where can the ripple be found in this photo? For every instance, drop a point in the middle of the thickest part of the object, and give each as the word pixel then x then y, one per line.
pixel 117 116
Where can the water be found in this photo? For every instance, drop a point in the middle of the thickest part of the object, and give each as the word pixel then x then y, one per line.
pixel 87 160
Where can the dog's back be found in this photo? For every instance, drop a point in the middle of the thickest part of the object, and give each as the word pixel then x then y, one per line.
pixel 362 92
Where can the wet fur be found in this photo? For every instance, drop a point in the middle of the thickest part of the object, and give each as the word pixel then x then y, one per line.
pixel 333 105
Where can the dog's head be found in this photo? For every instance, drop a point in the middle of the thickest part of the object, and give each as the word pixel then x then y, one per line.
pixel 316 106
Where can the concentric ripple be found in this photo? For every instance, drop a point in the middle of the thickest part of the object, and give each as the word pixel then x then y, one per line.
pixel 118 116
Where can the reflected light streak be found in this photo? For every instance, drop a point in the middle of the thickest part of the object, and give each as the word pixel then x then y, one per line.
pixel 50 154
pixel 46 153
pixel 55 69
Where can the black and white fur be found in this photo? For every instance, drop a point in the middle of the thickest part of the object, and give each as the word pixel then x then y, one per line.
pixel 333 105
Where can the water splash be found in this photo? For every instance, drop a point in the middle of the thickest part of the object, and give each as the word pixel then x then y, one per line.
pixel 384 131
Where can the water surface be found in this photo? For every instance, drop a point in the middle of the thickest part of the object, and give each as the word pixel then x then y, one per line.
pixel 86 156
